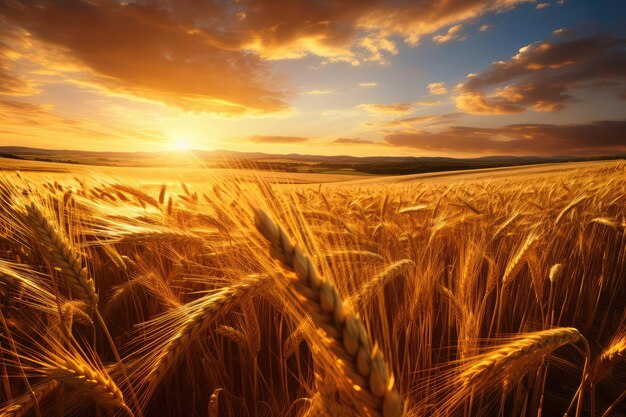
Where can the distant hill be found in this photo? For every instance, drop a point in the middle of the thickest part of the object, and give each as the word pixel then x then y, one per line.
pixel 386 165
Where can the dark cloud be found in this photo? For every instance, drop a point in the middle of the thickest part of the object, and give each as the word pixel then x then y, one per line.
pixel 601 137
pixel 276 139
pixel 542 75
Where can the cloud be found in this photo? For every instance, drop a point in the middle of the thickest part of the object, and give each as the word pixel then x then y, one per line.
pixel 317 92
pixel 437 88
pixel 541 6
pixel 115 44
pixel 601 137
pixel 452 34
pixel 563 32
pixel 41 126
pixel 348 141
pixel 413 20
pixel 410 123
pixel 211 56
pixel 276 139
pixel 368 84
pixel 542 76
pixel 11 83
pixel 484 28
pixel 393 108
pixel 428 103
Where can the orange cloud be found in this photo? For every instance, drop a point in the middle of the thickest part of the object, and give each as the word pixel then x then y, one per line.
pixel 437 88
pixel 11 83
pixel 542 75
pixel 393 108
pixel 115 42
pixel 452 34
pixel 415 19
pixel 317 92
pixel 595 138
pixel 412 122
pixel 210 56
pixel 428 103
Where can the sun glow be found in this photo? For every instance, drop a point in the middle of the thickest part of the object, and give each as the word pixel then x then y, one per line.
pixel 181 144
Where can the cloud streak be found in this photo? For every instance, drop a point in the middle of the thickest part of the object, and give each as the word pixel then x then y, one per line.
pixel 276 139
pixel 393 108
pixel 411 123
pixel 595 138
pixel 350 141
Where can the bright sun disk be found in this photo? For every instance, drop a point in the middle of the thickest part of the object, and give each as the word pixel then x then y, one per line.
pixel 181 144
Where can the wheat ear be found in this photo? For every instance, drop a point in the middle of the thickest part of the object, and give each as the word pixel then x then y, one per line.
pixel 366 366
pixel 23 404
pixel 607 360
pixel 517 354
pixel 202 314
pixel 555 272
pixel 76 311
pixel 378 282
pixel 516 264
pixel 63 256
pixel 90 381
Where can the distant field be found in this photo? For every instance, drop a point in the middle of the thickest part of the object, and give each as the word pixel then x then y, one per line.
pixel 156 176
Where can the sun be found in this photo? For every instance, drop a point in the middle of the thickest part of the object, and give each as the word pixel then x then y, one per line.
pixel 181 144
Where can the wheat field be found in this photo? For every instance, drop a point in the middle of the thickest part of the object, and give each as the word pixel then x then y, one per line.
pixel 241 297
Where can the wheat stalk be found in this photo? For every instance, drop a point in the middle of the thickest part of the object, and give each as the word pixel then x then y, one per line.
pixel 293 341
pixel 367 368
pixel 347 255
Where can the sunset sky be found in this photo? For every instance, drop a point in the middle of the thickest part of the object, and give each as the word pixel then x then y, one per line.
pixel 447 78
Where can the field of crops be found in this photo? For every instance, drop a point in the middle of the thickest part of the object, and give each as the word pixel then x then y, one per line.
pixel 466 296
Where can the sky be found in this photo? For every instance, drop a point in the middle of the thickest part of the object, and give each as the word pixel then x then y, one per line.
pixel 458 78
